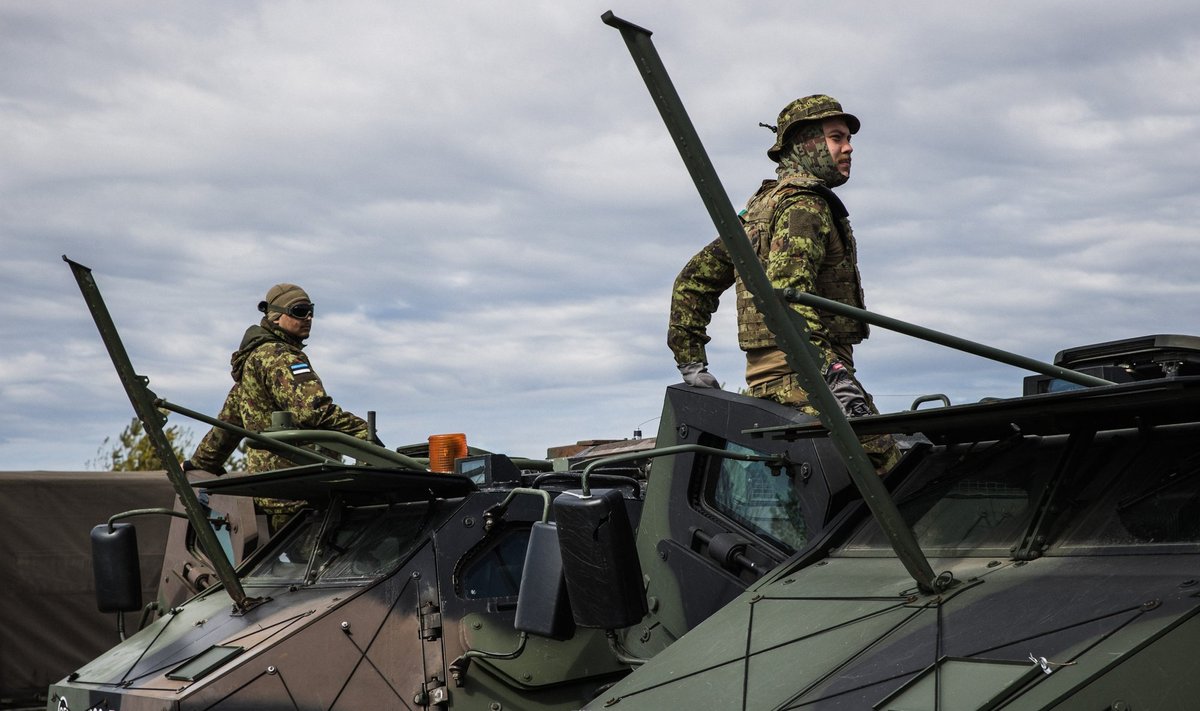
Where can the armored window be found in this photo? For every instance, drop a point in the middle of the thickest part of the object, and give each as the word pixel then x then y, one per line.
pixel 971 500
pixel 495 569
pixel 358 544
pixel 755 497
pixel 1151 496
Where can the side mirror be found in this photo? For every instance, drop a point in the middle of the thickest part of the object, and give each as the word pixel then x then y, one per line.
pixel 116 569
pixel 543 607
pixel 599 558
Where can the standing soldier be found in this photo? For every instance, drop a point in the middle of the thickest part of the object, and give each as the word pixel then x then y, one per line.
pixel 801 232
pixel 272 373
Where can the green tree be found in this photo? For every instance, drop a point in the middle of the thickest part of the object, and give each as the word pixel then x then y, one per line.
pixel 133 451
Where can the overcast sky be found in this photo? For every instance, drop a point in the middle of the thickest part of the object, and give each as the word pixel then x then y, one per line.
pixel 483 203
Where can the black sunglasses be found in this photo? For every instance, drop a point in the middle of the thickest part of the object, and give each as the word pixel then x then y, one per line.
pixel 300 311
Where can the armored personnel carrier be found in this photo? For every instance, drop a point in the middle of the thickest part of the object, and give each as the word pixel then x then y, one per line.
pixel 410 584
pixel 1065 530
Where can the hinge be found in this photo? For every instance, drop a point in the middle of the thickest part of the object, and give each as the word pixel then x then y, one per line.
pixel 433 693
pixel 431 622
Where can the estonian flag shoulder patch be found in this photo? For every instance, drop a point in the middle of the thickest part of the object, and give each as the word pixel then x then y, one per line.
pixel 302 371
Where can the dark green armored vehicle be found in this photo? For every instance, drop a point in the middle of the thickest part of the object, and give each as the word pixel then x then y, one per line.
pixel 1065 531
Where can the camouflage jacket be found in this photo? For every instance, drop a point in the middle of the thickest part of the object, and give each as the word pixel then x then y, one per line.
pixel 271 372
pixel 797 236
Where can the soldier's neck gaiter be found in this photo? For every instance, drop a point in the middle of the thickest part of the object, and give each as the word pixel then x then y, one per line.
pixel 806 154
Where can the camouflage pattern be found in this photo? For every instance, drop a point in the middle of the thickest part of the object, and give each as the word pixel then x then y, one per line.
pixel 880 449
pixel 817 107
pixel 801 233
pixel 270 373
pixel 801 246
pixel 792 230
pixel 807 156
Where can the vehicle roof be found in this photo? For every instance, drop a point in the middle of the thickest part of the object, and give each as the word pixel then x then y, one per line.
pixel 355 484
pixel 1141 404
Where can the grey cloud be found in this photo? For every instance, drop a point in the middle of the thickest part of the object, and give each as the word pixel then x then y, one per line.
pixel 486 207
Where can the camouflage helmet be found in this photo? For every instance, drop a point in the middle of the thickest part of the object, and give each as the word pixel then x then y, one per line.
pixel 810 108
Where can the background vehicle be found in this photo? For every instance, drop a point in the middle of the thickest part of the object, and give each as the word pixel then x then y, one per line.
pixel 49 624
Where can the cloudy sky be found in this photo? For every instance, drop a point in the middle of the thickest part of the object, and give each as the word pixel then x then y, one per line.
pixel 482 201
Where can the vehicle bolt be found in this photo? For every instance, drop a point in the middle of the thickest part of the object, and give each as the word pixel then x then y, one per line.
pixel 468 522
pixel 415 575
pixel 789 581
pixel 645 634
pixel 1187 583
pixel 527 676
pixel 345 626
pixel 822 562
pixel 652 603
pixel 993 564
pixel 1150 605
pixel 420 699
pixel 683 431
pixel 662 555
pixel 476 625
pixel 272 670
pixel 496 706
pixel 1119 705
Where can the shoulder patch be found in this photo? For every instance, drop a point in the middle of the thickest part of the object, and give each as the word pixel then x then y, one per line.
pixel 302 372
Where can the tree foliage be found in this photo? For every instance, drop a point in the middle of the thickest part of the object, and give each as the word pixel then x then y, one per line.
pixel 132 450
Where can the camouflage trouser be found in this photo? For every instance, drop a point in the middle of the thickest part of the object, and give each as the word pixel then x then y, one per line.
pixel 881 449
pixel 278 511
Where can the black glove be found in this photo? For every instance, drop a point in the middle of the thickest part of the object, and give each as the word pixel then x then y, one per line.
pixel 846 389
pixel 697 375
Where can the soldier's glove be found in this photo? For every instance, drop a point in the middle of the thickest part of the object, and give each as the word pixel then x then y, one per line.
pixel 846 389
pixel 697 375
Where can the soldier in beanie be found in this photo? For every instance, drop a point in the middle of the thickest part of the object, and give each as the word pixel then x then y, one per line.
pixel 271 372
pixel 801 232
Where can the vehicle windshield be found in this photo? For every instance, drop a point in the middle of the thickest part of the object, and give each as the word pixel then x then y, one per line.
pixel 970 498
pixel 359 543
pixel 1121 490
pixel 1153 501
pixel 762 500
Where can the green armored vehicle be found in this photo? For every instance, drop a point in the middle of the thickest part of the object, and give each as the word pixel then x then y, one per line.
pixel 402 587
pixel 744 572
pixel 1065 531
